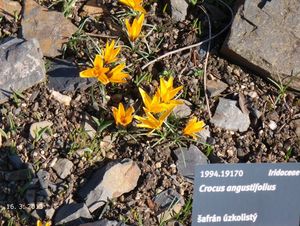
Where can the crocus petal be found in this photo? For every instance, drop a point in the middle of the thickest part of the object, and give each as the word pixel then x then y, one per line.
pixel 166 114
pixel 88 73
pixel 121 109
pixel 140 8
pixel 98 62
pixel 103 79
pixel 115 112
pixel 174 92
pixel 170 82
pixel 116 75
pixel 129 111
pixel 110 52
pixel 145 97
pixel 39 223
pixel 128 26
pixel 129 3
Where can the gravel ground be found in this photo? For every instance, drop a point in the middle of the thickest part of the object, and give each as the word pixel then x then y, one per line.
pixel 273 134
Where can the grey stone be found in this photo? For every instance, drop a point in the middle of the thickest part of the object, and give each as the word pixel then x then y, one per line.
pixel 16 161
pixel 215 87
pixel 204 136
pixel 44 193
pixel 22 174
pixel 179 9
pixel 50 28
pixel 182 110
pixel 89 125
pixel 53 187
pixel 38 213
pixel 36 127
pixel 104 222
pixel 71 214
pixel 229 116
pixel 188 158
pixel 64 76
pixel 22 66
pixel 266 38
pixel 169 203
pixel 63 167
pixel 33 183
pixel 30 196
pixel 49 213
pixel 110 181
pixel 43 177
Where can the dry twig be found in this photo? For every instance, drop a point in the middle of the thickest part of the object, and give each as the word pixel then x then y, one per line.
pixel 205 63
pixel 102 36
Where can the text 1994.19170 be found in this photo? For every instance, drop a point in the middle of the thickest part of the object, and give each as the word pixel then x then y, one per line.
pixel 221 173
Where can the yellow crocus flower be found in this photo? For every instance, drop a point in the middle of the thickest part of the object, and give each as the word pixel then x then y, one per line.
pixel 167 92
pixel 193 126
pixel 116 75
pixel 110 52
pixel 152 105
pixel 151 122
pixel 134 29
pixel 134 4
pixel 121 116
pixel 98 71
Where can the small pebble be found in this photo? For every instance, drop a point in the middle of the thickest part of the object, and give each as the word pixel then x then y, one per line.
pixel 230 152
pixel 158 165
pixel 253 94
pixel 52 163
pixel 236 72
pixel 63 99
pixel 272 125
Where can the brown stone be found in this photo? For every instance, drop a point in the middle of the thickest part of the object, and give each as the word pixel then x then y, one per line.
pixel 91 8
pixel 9 8
pixel 50 28
pixel 215 87
pixel 110 181
pixel 265 37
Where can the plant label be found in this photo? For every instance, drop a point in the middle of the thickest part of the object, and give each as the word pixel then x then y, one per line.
pixel 247 194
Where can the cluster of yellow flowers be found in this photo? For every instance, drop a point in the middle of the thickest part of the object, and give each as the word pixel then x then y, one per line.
pixel 156 108
pixel 101 63
pixel 162 104
pixel 100 69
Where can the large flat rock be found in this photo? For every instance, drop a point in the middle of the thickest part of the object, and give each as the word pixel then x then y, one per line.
pixel 50 28
pixel 21 67
pixel 110 181
pixel 265 37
